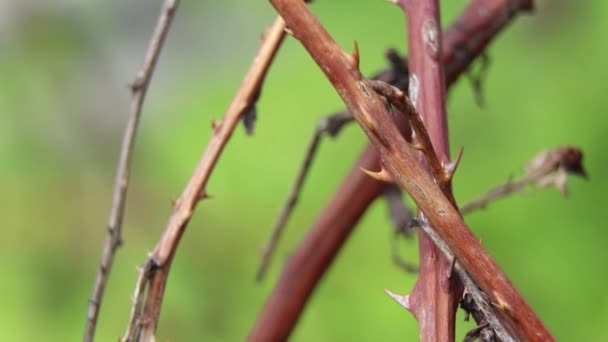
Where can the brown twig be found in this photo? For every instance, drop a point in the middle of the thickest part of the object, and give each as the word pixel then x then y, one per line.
pixel 162 255
pixel 476 26
pixel 547 168
pixel 138 293
pixel 331 125
pixel 402 165
pixel 113 239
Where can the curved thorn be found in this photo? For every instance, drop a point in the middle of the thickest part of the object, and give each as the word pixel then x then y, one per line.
pixel 381 175
pixel 404 301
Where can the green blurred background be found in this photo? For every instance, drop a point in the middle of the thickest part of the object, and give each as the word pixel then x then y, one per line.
pixel 65 67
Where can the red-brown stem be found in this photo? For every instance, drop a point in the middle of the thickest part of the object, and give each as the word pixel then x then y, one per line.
pixel 283 308
pixel 435 296
pixel 162 255
pixel 462 42
pixel 401 163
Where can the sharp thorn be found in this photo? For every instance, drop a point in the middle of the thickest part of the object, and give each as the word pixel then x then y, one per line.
pixel 450 169
pixel 381 175
pixel 355 55
pixel 451 269
pixel 204 195
pixel 404 301
pixel 417 146
pixel 215 126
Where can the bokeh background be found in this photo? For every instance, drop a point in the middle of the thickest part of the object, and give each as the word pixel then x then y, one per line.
pixel 65 67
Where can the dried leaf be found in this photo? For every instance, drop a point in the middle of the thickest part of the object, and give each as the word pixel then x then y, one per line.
pixel 552 168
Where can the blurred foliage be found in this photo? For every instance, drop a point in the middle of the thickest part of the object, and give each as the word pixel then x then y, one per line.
pixel 64 71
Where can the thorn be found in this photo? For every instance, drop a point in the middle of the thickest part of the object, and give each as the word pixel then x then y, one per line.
pixel 450 169
pixel 417 146
pixel 451 269
pixel 394 2
pixel 204 195
pixel 381 175
pixel 175 202
pixel 404 301
pixel 501 304
pixel 215 126
pixel 355 55
pixel 370 123
pixel 289 31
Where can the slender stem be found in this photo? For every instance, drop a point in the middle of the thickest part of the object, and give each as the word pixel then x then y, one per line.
pixel 162 255
pixel 547 168
pixel 331 125
pixel 435 297
pixel 113 239
pixel 406 170
pixel 463 41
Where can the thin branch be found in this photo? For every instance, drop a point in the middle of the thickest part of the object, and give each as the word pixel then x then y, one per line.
pixel 162 255
pixel 113 239
pixel 402 165
pixel 331 125
pixel 547 168
pixel 469 35
pixel 137 300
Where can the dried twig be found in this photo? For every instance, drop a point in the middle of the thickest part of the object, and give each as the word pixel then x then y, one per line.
pixel 162 255
pixel 113 239
pixel 401 164
pixel 138 293
pixel 331 125
pixel 547 168
pixel 463 41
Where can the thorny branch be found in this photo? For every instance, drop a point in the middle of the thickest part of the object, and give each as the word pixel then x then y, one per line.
pixel 402 165
pixel 113 239
pixel 466 39
pixel 162 255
